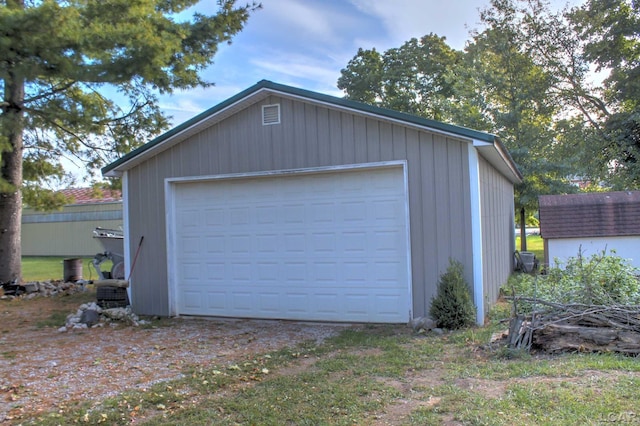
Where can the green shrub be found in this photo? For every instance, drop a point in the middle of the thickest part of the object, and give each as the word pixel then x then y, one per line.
pixel 601 279
pixel 452 307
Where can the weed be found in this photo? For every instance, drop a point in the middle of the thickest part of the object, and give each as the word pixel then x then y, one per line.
pixel 56 319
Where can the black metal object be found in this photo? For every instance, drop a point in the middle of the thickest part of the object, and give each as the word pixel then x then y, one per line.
pixel 112 297
pixel 10 288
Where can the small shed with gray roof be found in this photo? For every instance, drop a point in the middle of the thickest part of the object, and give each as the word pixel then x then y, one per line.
pixel 283 203
pixel 590 223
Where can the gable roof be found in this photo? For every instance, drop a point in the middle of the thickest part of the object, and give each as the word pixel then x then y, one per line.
pixel 487 144
pixel 92 196
pixel 598 214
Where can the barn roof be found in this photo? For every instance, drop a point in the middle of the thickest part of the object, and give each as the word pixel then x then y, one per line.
pixel 487 144
pixel 599 214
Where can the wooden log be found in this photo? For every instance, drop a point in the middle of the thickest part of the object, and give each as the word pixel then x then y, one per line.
pixel 111 283
pixel 557 337
pixel 514 330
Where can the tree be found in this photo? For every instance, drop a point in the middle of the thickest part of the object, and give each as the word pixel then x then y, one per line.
pixel 452 307
pixel 519 96
pixel 495 85
pixel 415 78
pixel 59 59
pixel 610 31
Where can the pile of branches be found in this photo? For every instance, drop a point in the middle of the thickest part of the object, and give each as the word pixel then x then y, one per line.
pixel 560 327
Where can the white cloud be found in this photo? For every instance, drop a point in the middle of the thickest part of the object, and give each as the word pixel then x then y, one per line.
pixel 404 19
pixel 297 16
pixel 183 105
pixel 298 67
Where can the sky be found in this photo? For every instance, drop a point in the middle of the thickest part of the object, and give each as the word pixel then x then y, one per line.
pixel 305 43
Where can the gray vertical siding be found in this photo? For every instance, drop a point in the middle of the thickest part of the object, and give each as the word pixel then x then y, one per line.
pixel 310 135
pixel 498 244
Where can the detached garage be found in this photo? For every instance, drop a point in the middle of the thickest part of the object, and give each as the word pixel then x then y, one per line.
pixel 282 203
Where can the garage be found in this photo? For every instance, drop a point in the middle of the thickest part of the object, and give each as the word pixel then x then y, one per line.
pixel 283 203
pixel 324 245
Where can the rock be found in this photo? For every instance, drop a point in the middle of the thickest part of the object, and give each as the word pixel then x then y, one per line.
pixel 31 287
pixel 422 324
pixel 90 317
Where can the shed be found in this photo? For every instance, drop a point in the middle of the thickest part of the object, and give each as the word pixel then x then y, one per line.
pixel 590 223
pixel 285 203
pixel 69 231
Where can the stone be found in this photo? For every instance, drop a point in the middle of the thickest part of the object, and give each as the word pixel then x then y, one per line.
pixel 422 324
pixel 90 317
pixel 31 287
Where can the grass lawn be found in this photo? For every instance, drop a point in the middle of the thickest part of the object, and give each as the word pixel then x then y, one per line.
pixel 52 268
pixel 534 244
pixel 382 375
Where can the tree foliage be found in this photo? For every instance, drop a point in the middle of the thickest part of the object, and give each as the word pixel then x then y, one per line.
pixel 80 80
pixel 527 76
pixel 69 55
pixel 610 32
pixel 414 78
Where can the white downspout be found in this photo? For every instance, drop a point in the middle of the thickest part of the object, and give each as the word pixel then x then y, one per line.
pixel 476 233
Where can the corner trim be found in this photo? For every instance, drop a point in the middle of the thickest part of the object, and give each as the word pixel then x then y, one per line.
pixel 476 233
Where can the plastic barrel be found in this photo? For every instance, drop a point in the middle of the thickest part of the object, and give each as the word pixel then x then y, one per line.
pixel 72 269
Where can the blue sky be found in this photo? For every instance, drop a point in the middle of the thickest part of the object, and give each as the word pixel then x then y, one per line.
pixel 305 43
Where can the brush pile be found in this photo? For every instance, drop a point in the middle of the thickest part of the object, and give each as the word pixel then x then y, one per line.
pixel 560 327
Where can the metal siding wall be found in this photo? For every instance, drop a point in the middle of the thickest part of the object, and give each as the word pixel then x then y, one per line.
pixel 420 262
pixel 309 136
pixel 497 230
pixel 69 238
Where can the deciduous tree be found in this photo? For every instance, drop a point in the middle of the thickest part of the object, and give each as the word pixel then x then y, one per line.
pixel 610 31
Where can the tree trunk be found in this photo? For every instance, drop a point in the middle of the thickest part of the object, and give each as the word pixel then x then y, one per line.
pixel 11 125
pixel 523 231
pixel 566 337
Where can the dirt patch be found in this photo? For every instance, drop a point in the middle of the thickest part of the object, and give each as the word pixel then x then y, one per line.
pixel 42 369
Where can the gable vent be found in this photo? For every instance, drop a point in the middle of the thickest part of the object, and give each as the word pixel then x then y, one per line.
pixel 270 114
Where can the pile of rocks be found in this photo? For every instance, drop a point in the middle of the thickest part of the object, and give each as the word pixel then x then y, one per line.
pixel 90 315
pixel 42 288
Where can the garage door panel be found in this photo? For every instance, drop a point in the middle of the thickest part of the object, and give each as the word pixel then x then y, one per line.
pixel 296 303
pixel 214 244
pixel 214 272
pixel 215 218
pixel 193 299
pixel 216 301
pixel 330 246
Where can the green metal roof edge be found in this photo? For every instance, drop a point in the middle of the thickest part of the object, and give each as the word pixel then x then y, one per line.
pixel 346 103
pixel 389 113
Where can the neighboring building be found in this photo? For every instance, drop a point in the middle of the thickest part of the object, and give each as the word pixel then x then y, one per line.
pixel 591 223
pixel 69 232
pixel 285 203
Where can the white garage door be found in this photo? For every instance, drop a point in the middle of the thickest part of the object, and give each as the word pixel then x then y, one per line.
pixel 324 246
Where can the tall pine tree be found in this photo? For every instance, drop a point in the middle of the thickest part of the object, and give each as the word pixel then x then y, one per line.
pixel 58 59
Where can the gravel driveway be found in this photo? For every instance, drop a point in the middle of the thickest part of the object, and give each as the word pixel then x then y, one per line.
pixel 42 369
